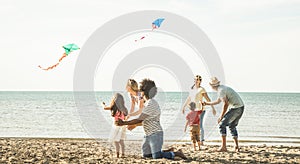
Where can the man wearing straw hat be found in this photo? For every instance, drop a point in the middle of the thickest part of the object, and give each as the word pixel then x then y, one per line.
pixel 229 117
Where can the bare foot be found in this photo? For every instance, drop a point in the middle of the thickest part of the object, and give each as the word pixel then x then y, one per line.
pixel 180 154
pixel 222 149
pixel 202 143
pixel 123 156
pixel 237 149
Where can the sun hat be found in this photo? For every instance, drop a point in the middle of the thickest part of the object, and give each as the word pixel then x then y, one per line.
pixel 214 82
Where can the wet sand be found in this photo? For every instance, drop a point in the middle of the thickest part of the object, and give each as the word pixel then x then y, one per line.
pixel 39 150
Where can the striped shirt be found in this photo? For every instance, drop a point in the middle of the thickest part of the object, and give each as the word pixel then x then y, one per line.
pixel 151 123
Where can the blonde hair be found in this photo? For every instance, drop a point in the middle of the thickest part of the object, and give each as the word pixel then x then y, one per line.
pixel 133 85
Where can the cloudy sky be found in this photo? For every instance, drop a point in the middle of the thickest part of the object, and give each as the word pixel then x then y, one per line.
pixel 257 40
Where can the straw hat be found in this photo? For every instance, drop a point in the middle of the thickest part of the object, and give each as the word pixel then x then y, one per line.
pixel 214 82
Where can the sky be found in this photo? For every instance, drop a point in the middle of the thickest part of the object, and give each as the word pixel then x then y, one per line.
pixel 257 41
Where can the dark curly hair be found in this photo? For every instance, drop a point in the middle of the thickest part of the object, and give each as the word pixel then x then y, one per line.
pixel 148 87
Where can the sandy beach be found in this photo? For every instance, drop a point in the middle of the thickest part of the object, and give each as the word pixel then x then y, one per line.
pixel 42 150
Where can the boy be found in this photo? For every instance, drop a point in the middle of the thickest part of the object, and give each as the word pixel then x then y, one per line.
pixel 193 120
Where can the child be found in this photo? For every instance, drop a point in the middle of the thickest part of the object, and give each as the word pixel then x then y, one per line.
pixel 153 139
pixel 118 111
pixel 193 120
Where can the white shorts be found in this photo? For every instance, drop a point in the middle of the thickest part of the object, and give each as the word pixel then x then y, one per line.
pixel 117 133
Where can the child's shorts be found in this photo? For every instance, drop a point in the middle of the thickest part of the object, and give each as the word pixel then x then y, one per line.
pixel 195 133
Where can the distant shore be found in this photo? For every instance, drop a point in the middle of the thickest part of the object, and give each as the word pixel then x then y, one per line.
pixel 72 150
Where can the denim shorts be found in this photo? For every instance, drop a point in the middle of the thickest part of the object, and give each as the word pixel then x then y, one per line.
pixel 231 119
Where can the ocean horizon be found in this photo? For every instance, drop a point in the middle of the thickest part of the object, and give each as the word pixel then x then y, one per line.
pixel 268 117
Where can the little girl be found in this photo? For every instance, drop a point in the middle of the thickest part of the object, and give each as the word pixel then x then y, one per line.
pixel 118 111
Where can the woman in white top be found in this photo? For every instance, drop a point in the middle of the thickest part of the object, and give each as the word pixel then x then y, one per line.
pixel 196 95
pixel 136 101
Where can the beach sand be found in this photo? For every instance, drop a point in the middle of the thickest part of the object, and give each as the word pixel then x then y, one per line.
pixel 41 150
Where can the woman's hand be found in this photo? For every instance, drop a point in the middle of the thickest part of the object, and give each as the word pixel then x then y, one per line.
pixel 214 112
pixel 183 110
pixel 133 99
pixel 220 119
pixel 128 116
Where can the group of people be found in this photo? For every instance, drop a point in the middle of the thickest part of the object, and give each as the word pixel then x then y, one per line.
pixel 228 117
pixel 145 111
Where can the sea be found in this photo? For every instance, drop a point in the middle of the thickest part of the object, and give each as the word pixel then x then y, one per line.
pixel 268 117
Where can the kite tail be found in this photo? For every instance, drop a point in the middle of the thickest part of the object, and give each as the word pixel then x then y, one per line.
pixel 51 67
pixel 143 37
pixel 55 65
pixel 154 27
pixel 64 55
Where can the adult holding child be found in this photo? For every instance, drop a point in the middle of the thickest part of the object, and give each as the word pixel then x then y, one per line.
pixel 150 118
pixel 230 117
pixel 136 101
pixel 196 95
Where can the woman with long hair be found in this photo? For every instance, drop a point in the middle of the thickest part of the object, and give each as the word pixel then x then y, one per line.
pixel 196 95
pixel 136 101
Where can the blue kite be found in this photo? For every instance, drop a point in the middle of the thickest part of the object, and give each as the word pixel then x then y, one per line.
pixel 157 23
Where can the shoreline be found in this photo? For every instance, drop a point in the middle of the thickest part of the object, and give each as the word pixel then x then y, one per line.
pixel 82 150
pixel 210 142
